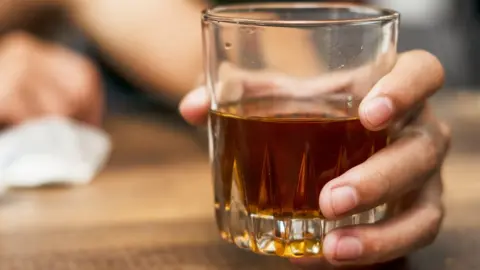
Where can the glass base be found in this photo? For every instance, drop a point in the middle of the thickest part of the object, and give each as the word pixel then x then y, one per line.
pixel 284 237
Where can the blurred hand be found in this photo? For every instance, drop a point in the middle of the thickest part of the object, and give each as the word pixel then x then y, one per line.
pixel 40 79
pixel 406 173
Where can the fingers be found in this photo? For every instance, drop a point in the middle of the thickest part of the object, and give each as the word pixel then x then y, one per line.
pixel 416 76
pixel 412 229
pixel 194 106
pixel 390 173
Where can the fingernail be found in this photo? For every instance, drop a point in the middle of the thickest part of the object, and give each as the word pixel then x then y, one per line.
pixel 378 111
pixel 343 200
pixel 195 98
pixel 348 248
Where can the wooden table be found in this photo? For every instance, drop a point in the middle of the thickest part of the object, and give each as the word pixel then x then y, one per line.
pixel 151 208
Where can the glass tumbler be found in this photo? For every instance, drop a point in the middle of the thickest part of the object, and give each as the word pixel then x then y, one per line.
pixel 285 82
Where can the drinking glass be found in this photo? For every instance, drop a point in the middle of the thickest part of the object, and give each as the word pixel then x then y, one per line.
pixel 285 82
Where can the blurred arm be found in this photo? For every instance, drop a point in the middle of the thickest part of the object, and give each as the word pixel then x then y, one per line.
pixel 153 43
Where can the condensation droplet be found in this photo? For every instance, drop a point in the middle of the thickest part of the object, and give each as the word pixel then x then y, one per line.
pixel 228 45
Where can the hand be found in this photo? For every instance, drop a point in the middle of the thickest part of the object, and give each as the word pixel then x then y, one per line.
pixel 405 174
pixel 40 79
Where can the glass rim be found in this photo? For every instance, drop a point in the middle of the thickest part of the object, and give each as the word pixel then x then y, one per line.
pixel 381 14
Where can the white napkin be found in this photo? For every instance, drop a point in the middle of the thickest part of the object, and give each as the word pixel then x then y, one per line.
pixel 51 150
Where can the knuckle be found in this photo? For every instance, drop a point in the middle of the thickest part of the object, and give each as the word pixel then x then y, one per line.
pixel 374 186
pixel 435 219
pixel 446 131
pixel 431 151
pixel 376 249
pixel 376 246
pixel 384 187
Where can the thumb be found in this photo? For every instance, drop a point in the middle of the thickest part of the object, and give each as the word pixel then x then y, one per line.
pixel 194 106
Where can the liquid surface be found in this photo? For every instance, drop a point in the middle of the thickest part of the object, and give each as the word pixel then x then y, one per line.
pixel 278 155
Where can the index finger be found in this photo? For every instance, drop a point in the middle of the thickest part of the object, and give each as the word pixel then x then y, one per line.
pixel 416 76
pixel 194 106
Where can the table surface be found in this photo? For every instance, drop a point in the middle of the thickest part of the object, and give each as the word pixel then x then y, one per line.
pixel 151 208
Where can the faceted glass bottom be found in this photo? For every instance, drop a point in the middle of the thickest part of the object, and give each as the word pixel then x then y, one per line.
pixel 284 237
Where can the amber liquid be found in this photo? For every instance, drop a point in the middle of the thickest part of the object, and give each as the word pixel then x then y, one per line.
pixel 280 154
